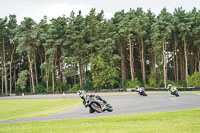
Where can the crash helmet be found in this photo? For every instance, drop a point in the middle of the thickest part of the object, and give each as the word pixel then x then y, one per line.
pixel 169 86
pixel 137 87
pixel 81 93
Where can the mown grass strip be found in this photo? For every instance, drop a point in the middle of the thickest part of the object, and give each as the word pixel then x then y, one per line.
pixel 23 108
pixel 165 122
pixel 148 92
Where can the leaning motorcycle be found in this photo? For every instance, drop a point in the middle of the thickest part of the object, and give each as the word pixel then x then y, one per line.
pixel 141 92
pixel 95 103
pixel 174 91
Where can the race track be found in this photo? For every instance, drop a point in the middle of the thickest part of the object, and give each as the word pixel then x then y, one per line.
pixel 123 105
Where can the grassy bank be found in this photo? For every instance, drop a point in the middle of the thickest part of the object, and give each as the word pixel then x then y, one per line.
pixel 148 92
pixel 22 108
pixel 166 122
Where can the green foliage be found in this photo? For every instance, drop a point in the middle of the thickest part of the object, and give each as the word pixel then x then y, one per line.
pixel 152 83
pixel 60 87
pixel 22 80
pixel 103 75
pixel 89 84
pixel 49 89
pixel 133 83
pixel 75 87
pixel 154 80
pixel 181 83
pixel 79 44
pixel 40 88
pixel 194 80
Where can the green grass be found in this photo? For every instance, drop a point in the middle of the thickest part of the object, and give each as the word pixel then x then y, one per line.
pixel 194 92
pixel 22 108
pixel 148 92
pixel 165 122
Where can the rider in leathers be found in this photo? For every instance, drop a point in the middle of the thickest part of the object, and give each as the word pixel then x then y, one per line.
pixel 84 96
pixel 139 90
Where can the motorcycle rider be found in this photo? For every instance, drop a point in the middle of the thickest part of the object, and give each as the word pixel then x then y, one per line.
pixel 84 96
pixel 169 87
pixel 140 90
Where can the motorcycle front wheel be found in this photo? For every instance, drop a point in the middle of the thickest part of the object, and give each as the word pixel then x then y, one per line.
pixel 109 108
pixel 144 94
pixel 176 93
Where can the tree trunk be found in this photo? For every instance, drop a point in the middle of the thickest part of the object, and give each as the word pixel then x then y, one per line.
pixel 14 77
pixel 11 61
pixel 41 61
pixel 47 73
pixel 142 61
pixel 199 60
pixel 131 59
pixel 164 63
pixel 153 61
pixel 186 65
pixel 53 76
pixel 31 73
pixel 182 75
pixel 56 69
pixel 123 63
pixel 81 73
pixel 35 67
pixel 4 67
pixel 177 70
pixel 64 81
pixel 75 66
pixel 2 81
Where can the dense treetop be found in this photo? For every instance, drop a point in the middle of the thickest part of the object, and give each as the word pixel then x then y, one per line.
pixel 91 52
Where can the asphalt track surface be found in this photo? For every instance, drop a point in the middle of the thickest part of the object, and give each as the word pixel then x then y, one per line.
pixel 122 105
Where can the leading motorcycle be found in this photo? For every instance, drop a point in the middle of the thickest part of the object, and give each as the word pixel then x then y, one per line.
pixel 95 103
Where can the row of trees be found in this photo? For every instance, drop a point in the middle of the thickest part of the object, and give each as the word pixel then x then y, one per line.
pixel 92 52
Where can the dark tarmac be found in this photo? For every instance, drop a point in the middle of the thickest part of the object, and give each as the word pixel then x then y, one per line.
pixel 122 105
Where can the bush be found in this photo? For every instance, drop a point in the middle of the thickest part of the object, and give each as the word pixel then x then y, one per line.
pixel 49 89
pixel 181 83
pixel 75 87
pixel 133 83
pixel 40 88
pixel 172 83
pixel 89 85
pixel 155 79
pixel 60 87
pixel 152 83
pixel 194 80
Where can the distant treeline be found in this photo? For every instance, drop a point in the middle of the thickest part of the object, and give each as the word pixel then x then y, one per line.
pixel 91 52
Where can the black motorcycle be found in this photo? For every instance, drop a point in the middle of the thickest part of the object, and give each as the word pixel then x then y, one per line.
pixel 95 103
pixel 142 92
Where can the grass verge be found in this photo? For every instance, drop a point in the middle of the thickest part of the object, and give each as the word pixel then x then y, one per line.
pixel 193 92
pixel 165 122
pixel 23 108
pixel 148 92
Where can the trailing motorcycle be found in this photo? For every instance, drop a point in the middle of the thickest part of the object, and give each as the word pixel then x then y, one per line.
pixel 141 92
pixel 174 91
pixel 95 103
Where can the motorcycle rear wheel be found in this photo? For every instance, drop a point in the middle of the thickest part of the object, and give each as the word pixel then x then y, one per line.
pixel 91 110
pixel 95 106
